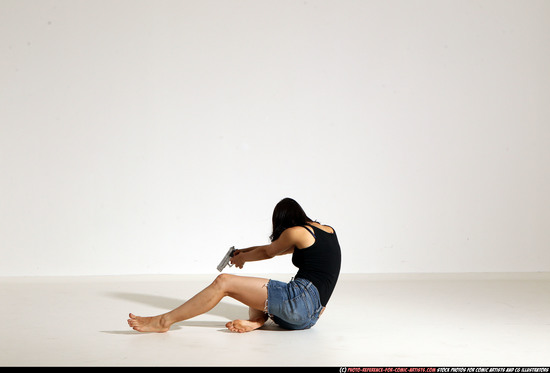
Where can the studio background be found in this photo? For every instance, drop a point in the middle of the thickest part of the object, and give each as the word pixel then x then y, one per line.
pixel 147 137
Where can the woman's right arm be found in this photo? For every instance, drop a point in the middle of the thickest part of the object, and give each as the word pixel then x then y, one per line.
pixel 283 245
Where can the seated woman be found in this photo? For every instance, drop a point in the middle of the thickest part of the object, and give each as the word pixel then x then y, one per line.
pixel 295 305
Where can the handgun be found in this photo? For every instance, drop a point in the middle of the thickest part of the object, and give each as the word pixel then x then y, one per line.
pixel 227 258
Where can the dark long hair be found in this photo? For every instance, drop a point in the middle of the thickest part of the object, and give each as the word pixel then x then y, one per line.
pixel 287 213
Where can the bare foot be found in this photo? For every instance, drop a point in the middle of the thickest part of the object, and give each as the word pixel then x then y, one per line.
pixel 243 326
pixel 148 324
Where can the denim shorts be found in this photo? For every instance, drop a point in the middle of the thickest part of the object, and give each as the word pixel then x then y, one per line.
pixel 293 305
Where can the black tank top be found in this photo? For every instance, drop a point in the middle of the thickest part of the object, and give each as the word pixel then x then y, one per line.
pixel 320 263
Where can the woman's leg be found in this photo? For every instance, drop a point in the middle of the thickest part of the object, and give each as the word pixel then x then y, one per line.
pixel 248 290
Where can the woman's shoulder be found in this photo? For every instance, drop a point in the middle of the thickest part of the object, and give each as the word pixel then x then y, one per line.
pixel 300 236
pixel 325 228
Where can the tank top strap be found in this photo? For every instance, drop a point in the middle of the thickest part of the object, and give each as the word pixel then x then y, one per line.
pixel 309 230
pixel 314 228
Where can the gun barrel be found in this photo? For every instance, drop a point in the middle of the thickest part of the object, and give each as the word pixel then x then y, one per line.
pixel 226 259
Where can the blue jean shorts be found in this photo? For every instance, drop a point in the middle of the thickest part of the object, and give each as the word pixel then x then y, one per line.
pixel 294 305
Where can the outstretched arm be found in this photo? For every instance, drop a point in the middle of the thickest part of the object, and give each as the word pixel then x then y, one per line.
pixel 285 244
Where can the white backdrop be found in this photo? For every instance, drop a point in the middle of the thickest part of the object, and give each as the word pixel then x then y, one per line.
pixel 149 136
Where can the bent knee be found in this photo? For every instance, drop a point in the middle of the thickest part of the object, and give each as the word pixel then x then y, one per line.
pixel 222 281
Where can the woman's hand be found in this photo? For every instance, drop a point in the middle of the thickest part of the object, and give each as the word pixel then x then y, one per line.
pixel 238 259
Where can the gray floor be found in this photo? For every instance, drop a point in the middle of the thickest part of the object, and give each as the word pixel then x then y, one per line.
pixel 372 320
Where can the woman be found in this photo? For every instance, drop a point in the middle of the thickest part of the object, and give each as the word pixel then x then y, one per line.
pixel 295 305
